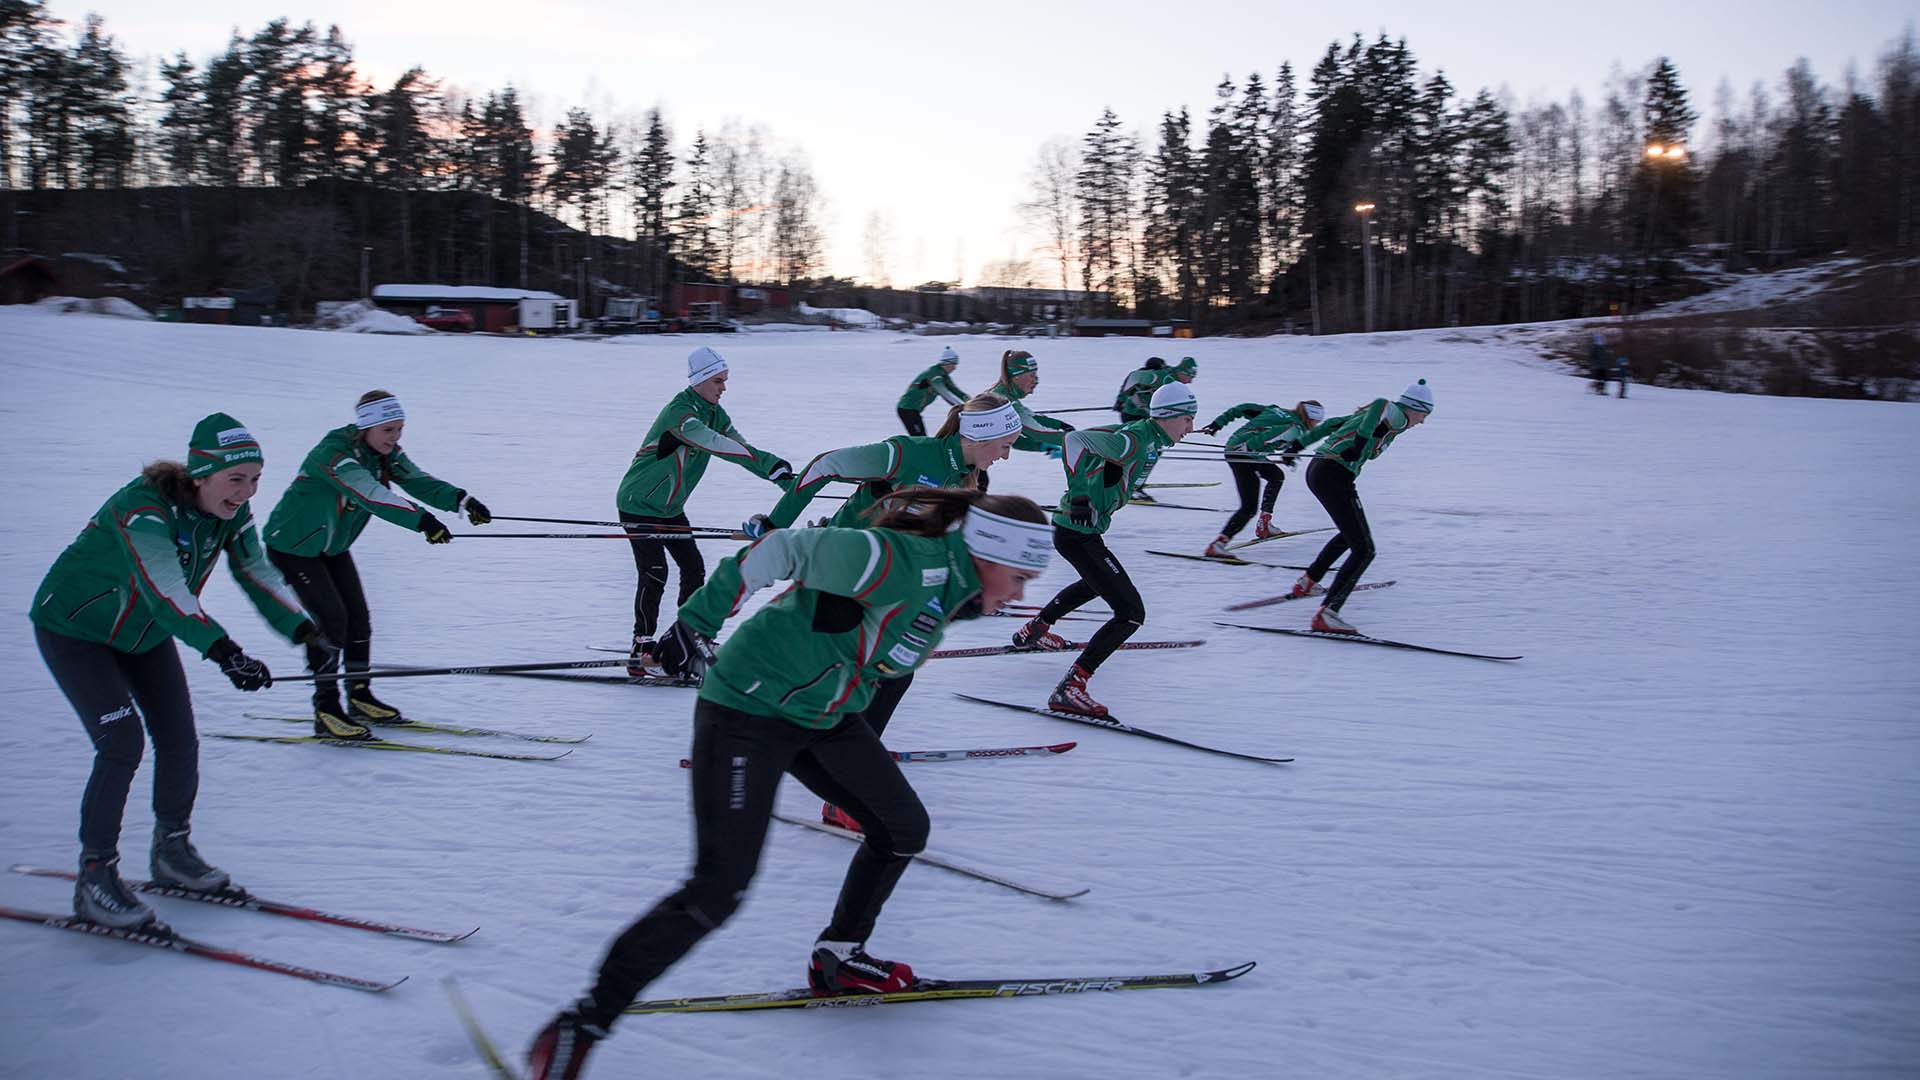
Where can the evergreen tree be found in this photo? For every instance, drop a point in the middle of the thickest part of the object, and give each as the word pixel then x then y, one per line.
pixel 336 93
pixel 23 29
pixel 649 179
pixel 693 217
pixel 1662 197
pixel 1280 175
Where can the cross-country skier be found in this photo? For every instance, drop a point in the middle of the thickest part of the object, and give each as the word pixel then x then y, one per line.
pixel 1100 463
pixel 976 435
pixel 1019 375
pixel 1137 389
pixel 105 618
pixel 1182 372
pixel 1268 428
pixel 787 694
pixel 935 381
pixel 1351 442
pixel 690 430
pixel 344 483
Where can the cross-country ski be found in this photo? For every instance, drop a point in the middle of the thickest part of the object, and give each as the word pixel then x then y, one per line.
pixel 384 744
pixel 947 862
pixel 941 990
pixel 1363 639
pixel 242 900
pixel 1112 724
pixel 984 753
pixel 437 729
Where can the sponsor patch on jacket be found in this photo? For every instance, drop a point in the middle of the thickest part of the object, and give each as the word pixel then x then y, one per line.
pixel 926 623
pixel 936 576
pixel 903 656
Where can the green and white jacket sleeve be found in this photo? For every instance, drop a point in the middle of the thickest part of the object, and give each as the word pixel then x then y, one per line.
pixel 146 537
pixel 728 444
pixel 845 562
pixel 849 464
pixel 414 481
pixel 345 474
pixel 261 580
pixel 949 391
pixel 1246 410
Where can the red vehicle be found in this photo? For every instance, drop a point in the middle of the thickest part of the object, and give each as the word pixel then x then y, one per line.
pixel 446 318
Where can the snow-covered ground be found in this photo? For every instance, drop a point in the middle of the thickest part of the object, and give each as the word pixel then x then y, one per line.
pixel 1677 840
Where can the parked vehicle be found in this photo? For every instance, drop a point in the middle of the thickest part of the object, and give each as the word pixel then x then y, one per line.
pixel 446 318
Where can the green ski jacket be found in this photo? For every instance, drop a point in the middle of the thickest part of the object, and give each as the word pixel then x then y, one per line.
pixel 865 605
pixel 133 576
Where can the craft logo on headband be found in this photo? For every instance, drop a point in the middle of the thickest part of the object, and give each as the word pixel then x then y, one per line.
pixel 379 411
pixel 1023 545
pixel 992 424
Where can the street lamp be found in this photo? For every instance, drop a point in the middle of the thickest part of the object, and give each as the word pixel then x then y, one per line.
pixel 1313 281
pixel 1365 210
pixel 366 256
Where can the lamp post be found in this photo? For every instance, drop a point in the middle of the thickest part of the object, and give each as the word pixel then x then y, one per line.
pixel 1313 281
pixel 1365 210
pixel 366 279
pixel 1657 155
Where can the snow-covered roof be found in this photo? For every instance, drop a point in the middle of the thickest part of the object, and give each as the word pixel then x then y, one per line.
pixel 459 292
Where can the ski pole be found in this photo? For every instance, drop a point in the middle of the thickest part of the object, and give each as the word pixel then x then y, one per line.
pixel 485 669
pixel 1089 408
pixel 642 526
pixel 594 536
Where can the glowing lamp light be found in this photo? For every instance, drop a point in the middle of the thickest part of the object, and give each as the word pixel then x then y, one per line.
pixel 1674 153
pixel 1362 208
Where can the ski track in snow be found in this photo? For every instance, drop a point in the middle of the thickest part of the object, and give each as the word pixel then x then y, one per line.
pixel 1675 841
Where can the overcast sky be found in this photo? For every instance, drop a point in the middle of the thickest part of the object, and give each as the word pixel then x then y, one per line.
pixel 931 114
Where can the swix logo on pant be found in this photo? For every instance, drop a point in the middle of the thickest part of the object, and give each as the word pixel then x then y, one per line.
pixel 737 785
pixel 121 713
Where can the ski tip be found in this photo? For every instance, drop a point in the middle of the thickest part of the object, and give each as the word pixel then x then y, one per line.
pixel 383 988
pixel 1234 972
pixel 1061 748
pixel 1071 895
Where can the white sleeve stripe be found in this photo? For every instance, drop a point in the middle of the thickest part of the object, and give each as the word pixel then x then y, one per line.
pixel 873 560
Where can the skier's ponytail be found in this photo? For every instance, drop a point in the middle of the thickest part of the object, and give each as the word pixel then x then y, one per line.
pixel 986 401
pixel 926 511
pixel 172 481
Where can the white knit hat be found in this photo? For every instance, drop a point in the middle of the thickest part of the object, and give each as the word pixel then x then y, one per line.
pixel 1418 397
pixel 948 356
pixel 703 364
pixel 1173 399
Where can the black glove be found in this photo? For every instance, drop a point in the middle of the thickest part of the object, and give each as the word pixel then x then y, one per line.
pixel 781 472
pixel 308 634
pixel 433 530
pixel 758 526
pixel 246 672
pixel 1064 426
pixel 477 511
pixel 1080 510
pixel 683 652
pixel 1211 429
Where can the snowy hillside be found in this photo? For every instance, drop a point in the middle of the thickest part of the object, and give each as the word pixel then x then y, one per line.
pixel 1676 840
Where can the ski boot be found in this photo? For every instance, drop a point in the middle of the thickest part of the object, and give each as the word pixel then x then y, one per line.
pixel 1038 636
pixel 363 708
pixel 843 967
pixel 329 724
pixel 1071 696
pixel 1142 498
pixel 1328 621
pixel 838 818
pixel 1264 530
pixel 99 896
pixel 1303 586
pixel 1218 549
pixel 640 661
pixel 560 1051
pixel 175 862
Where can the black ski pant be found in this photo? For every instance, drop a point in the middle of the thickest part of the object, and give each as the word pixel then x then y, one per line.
pixel 114 692
pixel 329 588
pixel 1101 575
pixel 650 558
pixel 1332 484
pixel 738 760
pixel 911 420
pixel 1246 480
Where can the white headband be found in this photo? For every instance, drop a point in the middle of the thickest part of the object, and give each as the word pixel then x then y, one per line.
pixel 992 424
pixel 1316 412
pixel 703 364
pixel 378 411
pixel 1023 545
